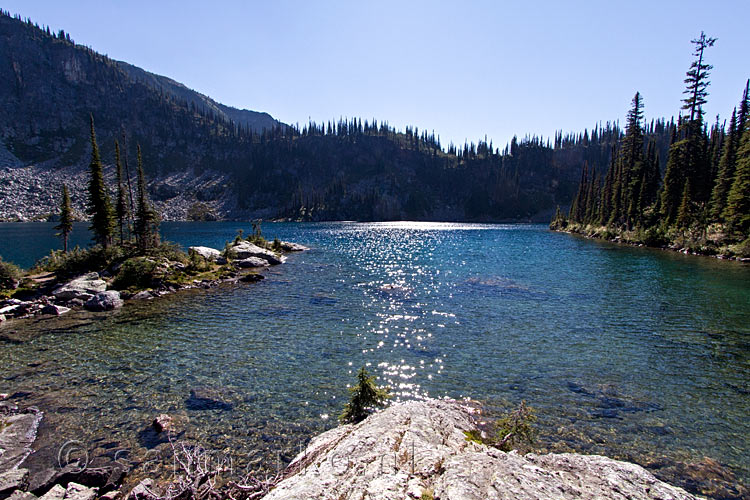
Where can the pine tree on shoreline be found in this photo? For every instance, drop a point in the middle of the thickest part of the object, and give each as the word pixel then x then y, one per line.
pixel 66 218
pixel 99 205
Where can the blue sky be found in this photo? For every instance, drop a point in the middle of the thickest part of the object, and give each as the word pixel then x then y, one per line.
pixel 464 69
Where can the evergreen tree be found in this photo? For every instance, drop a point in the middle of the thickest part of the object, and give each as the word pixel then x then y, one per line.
pixel 66 218
pixel 146 220
pixel 697 78
pixel 99 206
pixel 632 161
pixel 725 175
pixel 684 215
pixel 364 396
pixel 674 180
pixel 121 207
pixel 737 212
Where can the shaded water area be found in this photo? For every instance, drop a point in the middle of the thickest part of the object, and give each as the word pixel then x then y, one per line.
pixel 634 353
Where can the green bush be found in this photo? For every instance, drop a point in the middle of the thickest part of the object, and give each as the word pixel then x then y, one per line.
pixel 741 249
pixel 515 429
pixel 364 396
pixel 276 246
pixel 79 261
pixel 136 272
pixel 654 237
pixel 169 251
pixel 198 263
pixel 10 274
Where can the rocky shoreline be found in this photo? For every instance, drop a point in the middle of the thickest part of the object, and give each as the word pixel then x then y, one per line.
pixel 675 247
pixel 93 291
pixel 411 450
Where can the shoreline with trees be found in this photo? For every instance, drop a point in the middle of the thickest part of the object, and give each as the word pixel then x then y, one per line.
pixel 701 203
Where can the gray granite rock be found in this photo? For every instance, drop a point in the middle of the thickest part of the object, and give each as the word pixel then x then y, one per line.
pixel 245 249
pixel 76 491
pixel 251 262
pixel 57 492
pixel 207 253
pixel 418 447
pixel 12 480
pixel 82 287
pixel 104 301
pixel 54 310
pixel 16 437
pixel 288 246
pixel 22 495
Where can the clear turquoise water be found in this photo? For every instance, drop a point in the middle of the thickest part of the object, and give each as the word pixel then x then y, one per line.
pixel 635 353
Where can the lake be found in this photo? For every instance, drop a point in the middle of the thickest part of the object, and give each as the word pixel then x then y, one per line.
pixel 634 353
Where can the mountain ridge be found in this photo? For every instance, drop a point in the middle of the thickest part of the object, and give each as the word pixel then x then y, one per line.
pixel 350 169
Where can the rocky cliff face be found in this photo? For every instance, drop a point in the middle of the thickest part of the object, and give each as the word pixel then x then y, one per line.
pixel 419 450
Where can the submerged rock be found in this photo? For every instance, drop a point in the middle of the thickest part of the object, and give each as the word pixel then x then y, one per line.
pixel 104 301
pixel 207 253
pixel 288 246
pixel 82 287
pixel 206 398
pixel 417 448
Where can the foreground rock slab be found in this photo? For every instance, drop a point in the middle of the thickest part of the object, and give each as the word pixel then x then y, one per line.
pixel 17 434
pixel 419 448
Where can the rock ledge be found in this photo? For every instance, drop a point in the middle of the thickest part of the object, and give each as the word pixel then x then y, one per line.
pixel 418 448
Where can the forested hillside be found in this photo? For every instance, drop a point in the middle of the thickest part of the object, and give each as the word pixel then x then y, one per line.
pixel 354 168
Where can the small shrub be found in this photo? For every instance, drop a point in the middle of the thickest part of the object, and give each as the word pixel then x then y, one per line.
pixel 276 246
pixel 516 428
pixel 427 495
pixel 475 436
pixel 79 261
pixel 228 253
pixel 169 251
pixel 10 274
pixel 198 264
pixel 257 237
pixel 136 272
pixel 364 396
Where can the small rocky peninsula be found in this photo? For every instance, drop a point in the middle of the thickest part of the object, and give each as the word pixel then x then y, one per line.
pixel 412 450
pixel 143 277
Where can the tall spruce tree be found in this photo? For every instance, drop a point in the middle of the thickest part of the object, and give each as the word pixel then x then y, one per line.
pixel 66 218
pixel 697 78
pixel 632 161
pixel 121 207
pixel 99 205
pixel 146 219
